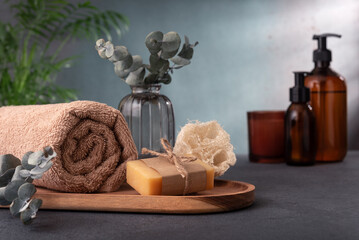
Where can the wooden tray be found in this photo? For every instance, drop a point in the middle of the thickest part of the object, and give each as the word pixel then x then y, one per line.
pixel 225 196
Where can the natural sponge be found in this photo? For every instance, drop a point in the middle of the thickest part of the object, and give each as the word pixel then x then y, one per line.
pixel 209 142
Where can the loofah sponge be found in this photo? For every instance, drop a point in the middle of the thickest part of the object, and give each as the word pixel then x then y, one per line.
pixel 208 142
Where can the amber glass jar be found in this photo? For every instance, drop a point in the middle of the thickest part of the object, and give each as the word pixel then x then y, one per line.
pixel 266 136
pixel 329 103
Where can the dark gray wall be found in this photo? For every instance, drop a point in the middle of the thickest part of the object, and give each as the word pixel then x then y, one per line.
pixel 247 52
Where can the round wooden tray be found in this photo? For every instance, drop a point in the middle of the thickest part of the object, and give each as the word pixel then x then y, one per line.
pixel 225 196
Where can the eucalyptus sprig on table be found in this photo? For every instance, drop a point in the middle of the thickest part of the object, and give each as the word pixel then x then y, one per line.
pixel 16 178
pixel 163 47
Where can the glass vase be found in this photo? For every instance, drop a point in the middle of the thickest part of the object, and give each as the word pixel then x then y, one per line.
pixel 149 116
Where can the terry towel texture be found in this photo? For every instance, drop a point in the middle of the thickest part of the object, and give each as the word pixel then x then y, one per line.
pixel 91 139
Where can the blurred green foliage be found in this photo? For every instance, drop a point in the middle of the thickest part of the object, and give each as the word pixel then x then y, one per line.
pixel 30 47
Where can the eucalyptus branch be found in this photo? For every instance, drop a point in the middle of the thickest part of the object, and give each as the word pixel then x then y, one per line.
pixel 16 188
pixel 163 47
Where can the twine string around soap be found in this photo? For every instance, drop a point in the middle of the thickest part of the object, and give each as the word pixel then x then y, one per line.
pixel 178 161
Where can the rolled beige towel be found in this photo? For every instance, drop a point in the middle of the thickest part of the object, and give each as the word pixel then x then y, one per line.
pixel 91 139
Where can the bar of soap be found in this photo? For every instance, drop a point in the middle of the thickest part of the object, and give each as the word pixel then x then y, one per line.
pixel 147 181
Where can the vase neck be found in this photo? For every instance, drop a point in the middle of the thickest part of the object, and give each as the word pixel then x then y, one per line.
pixel 154 88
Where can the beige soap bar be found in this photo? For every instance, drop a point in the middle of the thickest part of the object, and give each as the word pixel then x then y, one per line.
pixel 147 181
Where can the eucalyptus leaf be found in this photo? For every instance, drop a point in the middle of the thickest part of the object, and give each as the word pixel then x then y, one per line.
pixel 35 158
pixel 6 177
pixel 27 216
pixel 187 49
pixel 153 41
pixel 171 42
pixel 177 67
pixel 148 67
pixel 186 40
pixel 186 52
pixel 42 165
pixel 124 64
pixel 123 68
pixel 119 71
pixel 38 171
pixel 102 52
pixel 49 152
pixel 26 191
pixel 35 204
pixel 166 79
pixel 100 43
pixel 25 173
pixel 17 175
pixel 3 200
pixel 136 64
pixel 12 188
pixel 17 205
pixel 136 77
pixel 156 63
pixel 38 158
pixel 151 78
pixel 180 61
pixel 109 49
pixel 7 162
pixel 25 162
pixel 120 53
pixel 167 55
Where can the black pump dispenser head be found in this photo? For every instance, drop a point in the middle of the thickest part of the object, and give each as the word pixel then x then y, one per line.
pixel 322 53
pixel 299 93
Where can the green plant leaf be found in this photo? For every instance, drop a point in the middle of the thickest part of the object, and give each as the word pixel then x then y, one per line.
pixel 28 64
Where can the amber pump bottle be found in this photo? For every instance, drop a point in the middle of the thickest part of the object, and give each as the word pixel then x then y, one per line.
pixel 299 125
pixel 329 102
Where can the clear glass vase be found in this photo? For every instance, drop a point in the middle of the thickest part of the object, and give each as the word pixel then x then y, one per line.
pixel 149 116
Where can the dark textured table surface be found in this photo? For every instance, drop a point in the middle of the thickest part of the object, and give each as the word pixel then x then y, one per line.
pixel 316 202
